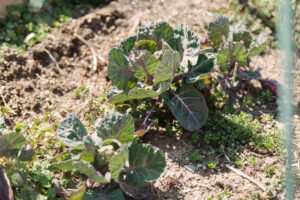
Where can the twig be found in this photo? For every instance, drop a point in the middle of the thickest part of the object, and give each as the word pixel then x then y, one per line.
pixel 5 104
pixel 134 27
pixel 92 50
pixel 246 176
pixel 52 58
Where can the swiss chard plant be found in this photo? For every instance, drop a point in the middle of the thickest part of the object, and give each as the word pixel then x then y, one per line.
pixel 14 146
pixel 162 63
pixel 110 157
pixel 234 47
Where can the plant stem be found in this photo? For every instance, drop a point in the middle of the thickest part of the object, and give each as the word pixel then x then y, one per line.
pixel 234 73
pixel 152 109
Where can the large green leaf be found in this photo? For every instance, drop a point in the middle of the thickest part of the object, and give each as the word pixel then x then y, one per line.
pixel 118 69
pixel 116 126
pixel 218 29
pixel 142 64
pixel 146 163
pixel 106 195
pixel 81 166
pixel 156 32
pixel 128 44
pixel 259 44
pixel 118 161
pixel 11 144
pixel 166 69
pixel 188 45
pixel 204 66
pixel 189 108
pixel 71 131
pixel 26 153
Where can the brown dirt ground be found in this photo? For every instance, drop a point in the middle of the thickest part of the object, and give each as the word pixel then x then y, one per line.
pixel 45 77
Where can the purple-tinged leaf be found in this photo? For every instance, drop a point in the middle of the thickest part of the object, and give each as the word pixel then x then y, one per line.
pixel 118 70
pixel 128 44
pixel 142 64
pixel 146 163
pixel 156 32
pixel 189 108
pixel 218 30
pixel 116 126
pixel 166 69
pixel 188 45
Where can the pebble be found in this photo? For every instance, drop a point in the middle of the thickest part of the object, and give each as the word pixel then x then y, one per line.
pixel 191 168
pixel 186 190
pixel 264 106
pixel 199 166
pixel 204 167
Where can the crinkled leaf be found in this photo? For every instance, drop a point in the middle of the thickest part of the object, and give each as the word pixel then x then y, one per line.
pixel 187 44
pixel 240 33
pixel 117 162
pixel 146 163
pixel 27 153
pixel 235 52
pixel 204 66
pixel 136 190
pixel 146 45
pixel 167 67
pixel 81 166
pixel 156 32
pixel 218 29
pixel 128 44
pixel 71 131
pixel 107 195
pixel 113 91
pixel 10 144
pixel 118 70
pixel 142 64
pixel 189 108
pixel 259 44
pixel 116 126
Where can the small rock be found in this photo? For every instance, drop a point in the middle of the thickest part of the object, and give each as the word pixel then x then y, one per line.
pixel 258 102
pixel 204 167
pixel 168 146
pixel 199 166
pixel 264 106
pixel 191 168
pixel 186 191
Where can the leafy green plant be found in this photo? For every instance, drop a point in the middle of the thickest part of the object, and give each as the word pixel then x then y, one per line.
pixel 13 145
pixel 161 63
pixel 110 157
pixel 234 47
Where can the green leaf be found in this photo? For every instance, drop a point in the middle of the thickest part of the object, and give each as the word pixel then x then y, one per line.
pixel 166 69
pixel 146 45
pixel 107 195
pixel 140 93
pixel 135 190
pixel 81 166
pixel 118 70
pixel 116 126
pixel 143 64
pixel 128 44
pixel 146 163
pixel 156 32
pixel 189 108
pixel 259 44
pixel 117 162
pixel 240 53
pixel 204 66
pixel 249 75
pixel 71 131
pixel 240 33
pixel 188 45
pixel 103 155
pixel 11 144
pixel 218 29
pixel 78 193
